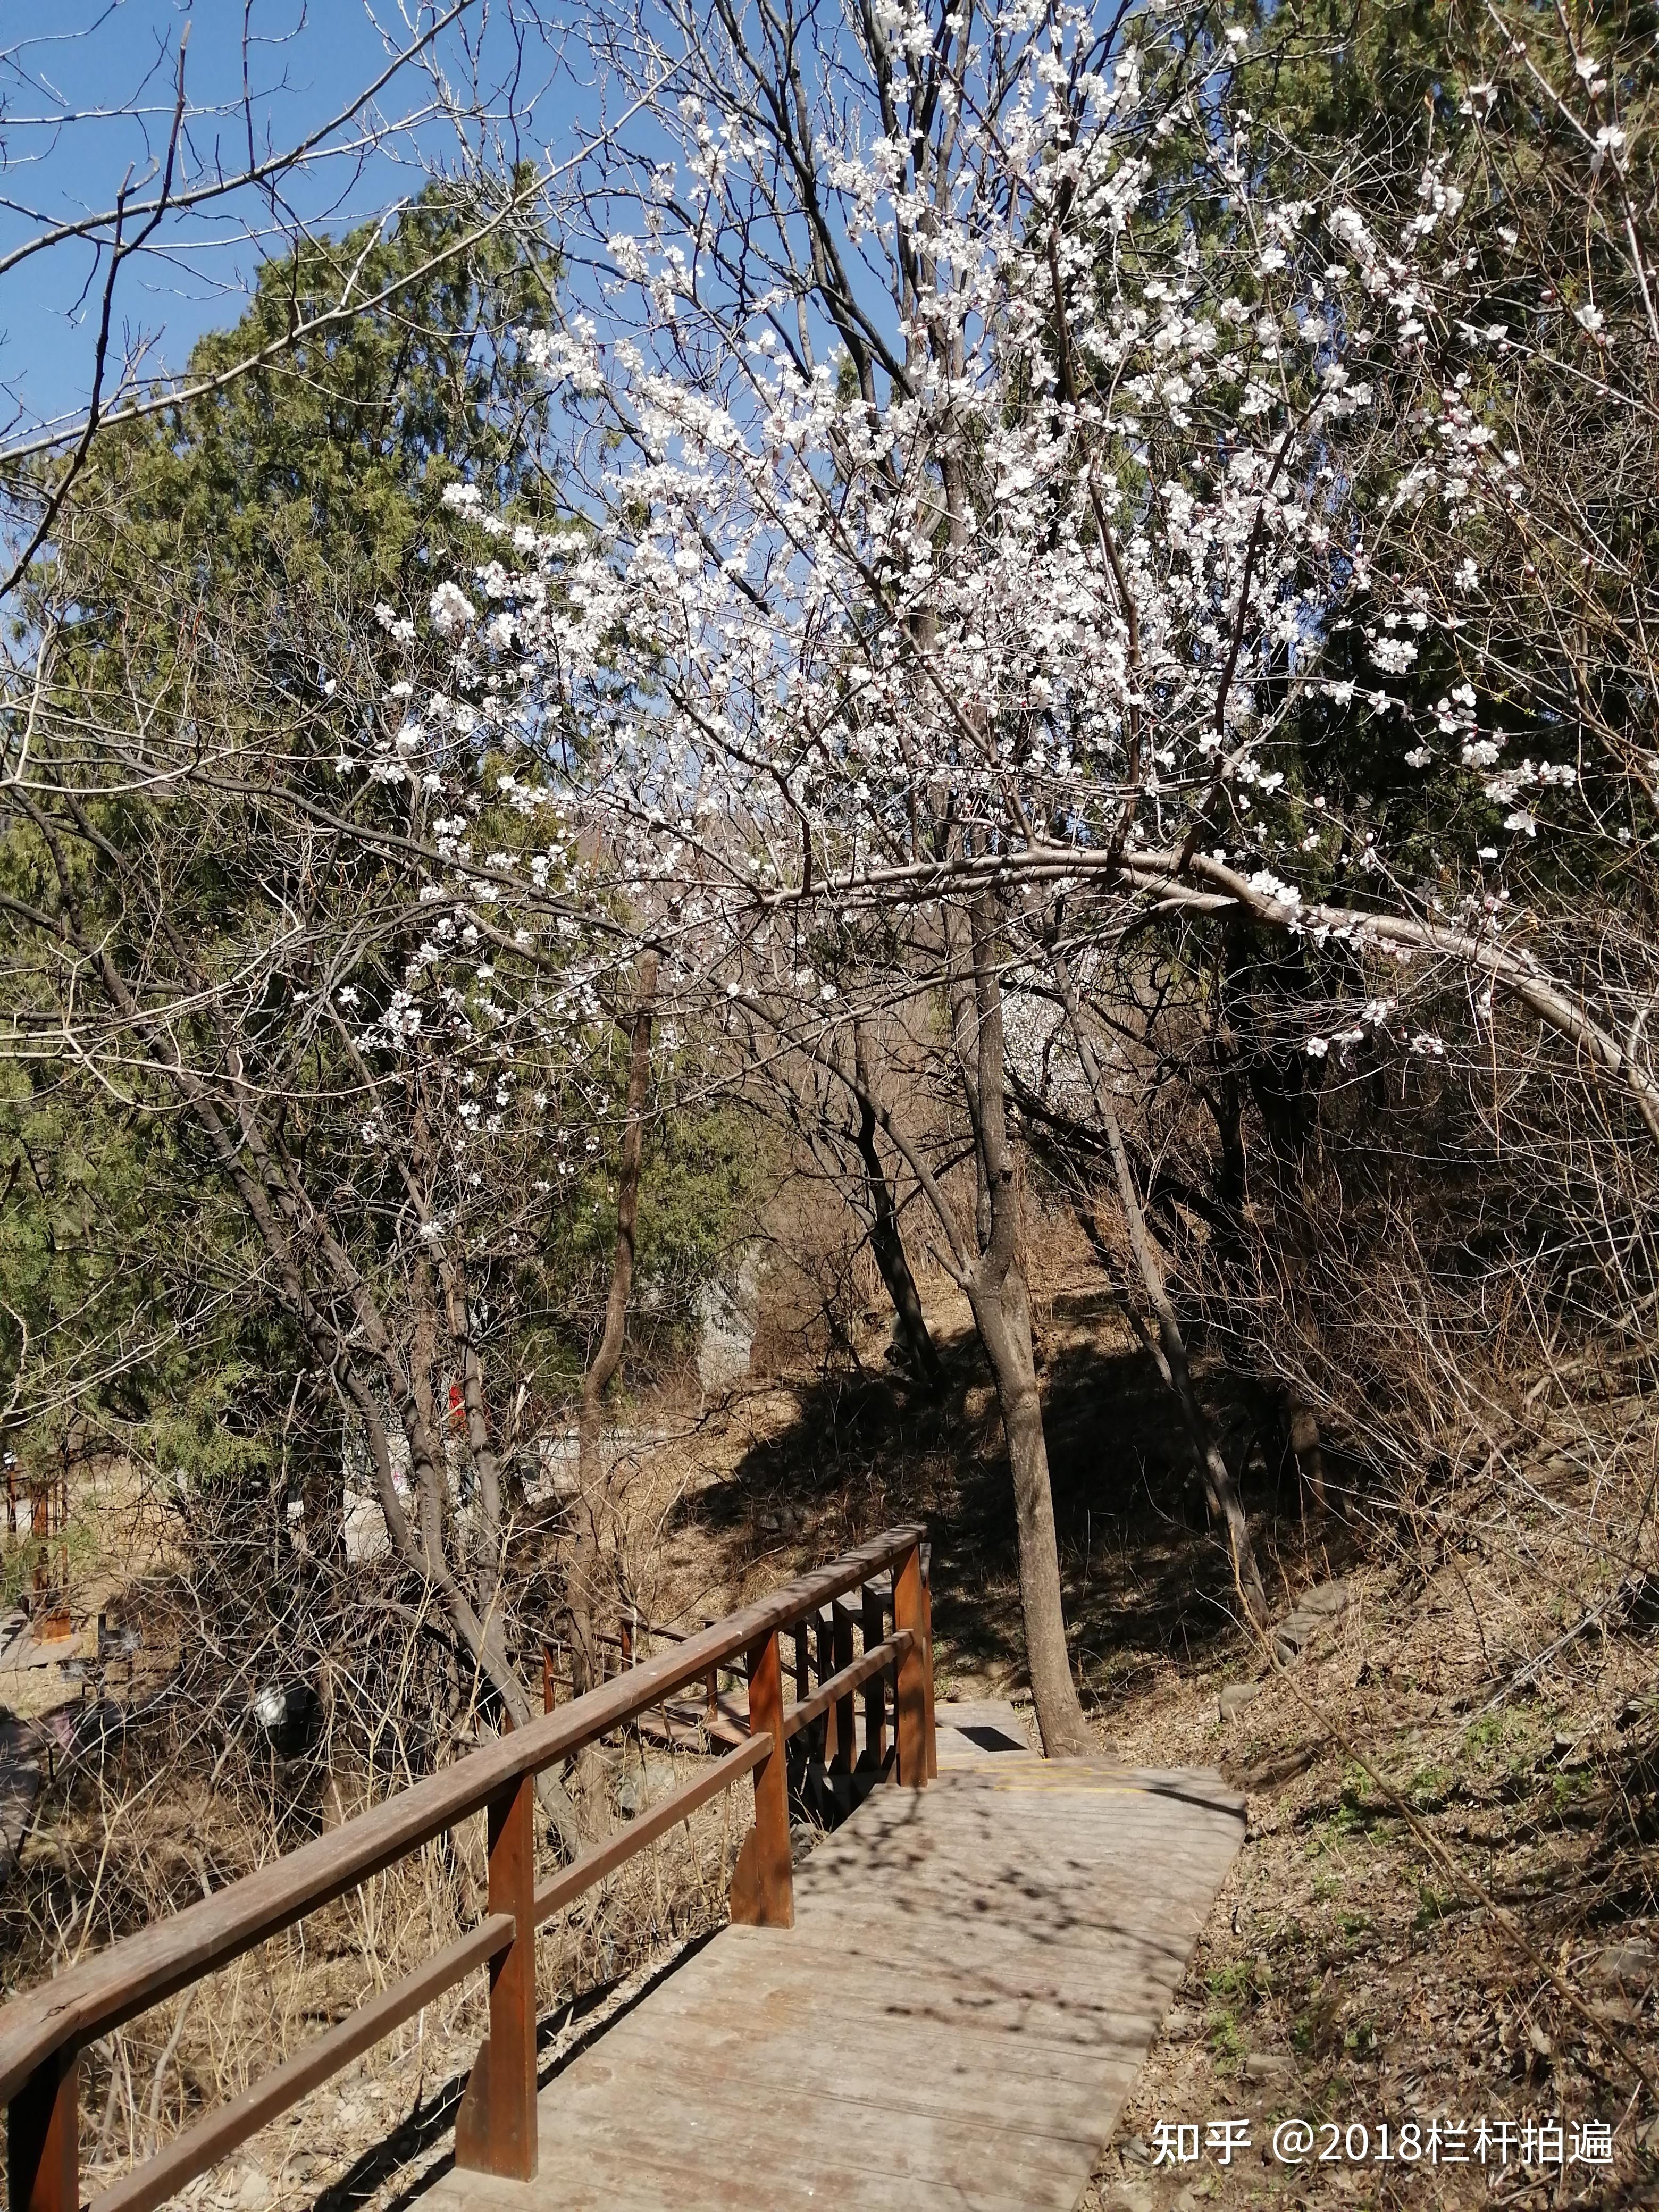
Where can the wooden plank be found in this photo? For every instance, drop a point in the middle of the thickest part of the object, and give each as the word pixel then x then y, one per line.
pixel 878 2052
pixel 842 1686
pixel 846 1748
pixel 43 2152
pixel 823 1635
pixel 863 2133
pixel 875 1688
pixel 670 2112
pixel 977 1972
pixel 912 1726
pixel 925 1557
pixel 689 2164
pixel 1016 2030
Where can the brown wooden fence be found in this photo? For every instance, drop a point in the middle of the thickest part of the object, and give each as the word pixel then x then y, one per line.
pixel 42 2034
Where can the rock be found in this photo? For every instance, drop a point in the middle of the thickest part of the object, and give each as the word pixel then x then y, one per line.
pixel 642 1785
pixel 728 1314
pixel 1135 2148
pixel 1291 1633
pixel 1235 1695
pixel 1268 2066
pixel 1629 1964
pixel 1179 2021
pixel 255 2191
pixel 1324 1603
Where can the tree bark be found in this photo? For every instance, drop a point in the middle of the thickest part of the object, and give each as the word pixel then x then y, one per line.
pixel 322 1468
pixel 1002 1315
pixel 594 1529
pixel 985 1267
pixel 1307 1448
pixel 888 1243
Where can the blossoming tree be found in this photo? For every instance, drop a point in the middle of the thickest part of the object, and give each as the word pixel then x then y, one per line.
pixel 985 476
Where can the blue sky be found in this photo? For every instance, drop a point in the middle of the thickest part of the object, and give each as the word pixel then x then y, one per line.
pixel 88 97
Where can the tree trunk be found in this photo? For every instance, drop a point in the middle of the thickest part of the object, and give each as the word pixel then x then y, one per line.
pixel 1002 1315
pixel 887 1243
pixel 1307 1448
pixel 322 1447
pixel 593 1508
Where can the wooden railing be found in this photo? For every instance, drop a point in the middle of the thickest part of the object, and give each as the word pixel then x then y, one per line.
pixel 41 2034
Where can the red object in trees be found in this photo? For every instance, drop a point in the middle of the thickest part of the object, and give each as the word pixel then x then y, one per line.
pixel 457 1406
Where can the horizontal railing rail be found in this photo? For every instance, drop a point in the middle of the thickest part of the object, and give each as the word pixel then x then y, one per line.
pixel 42 2032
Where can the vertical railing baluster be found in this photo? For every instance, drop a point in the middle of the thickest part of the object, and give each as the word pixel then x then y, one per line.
pixel 847 1745
pixel 875 1690
pixel 495 2126
pixel 823 1636
pixel 43 2139
pixel 763 1886
pixel 913 1719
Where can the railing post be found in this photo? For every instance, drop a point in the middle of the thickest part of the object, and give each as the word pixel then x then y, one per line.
pixel 763 1886
pixel 927 1551
pixel 495 2126
pixel 43 2139
pixel 913 1719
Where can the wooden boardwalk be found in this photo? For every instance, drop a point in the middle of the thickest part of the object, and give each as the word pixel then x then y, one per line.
pixel 945 2004
pixel 974 1975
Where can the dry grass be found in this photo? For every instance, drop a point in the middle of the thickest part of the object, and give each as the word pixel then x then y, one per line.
pixel 1352 1952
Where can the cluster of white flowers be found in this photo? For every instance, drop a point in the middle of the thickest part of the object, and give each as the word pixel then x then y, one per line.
pixel 1050 560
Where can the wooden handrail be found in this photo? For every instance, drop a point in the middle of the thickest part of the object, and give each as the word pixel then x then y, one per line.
pixel 192 2153
pixel 41 2032
pixel 645 1828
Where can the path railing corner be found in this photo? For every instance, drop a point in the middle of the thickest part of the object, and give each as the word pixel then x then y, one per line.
pixel 43 2033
